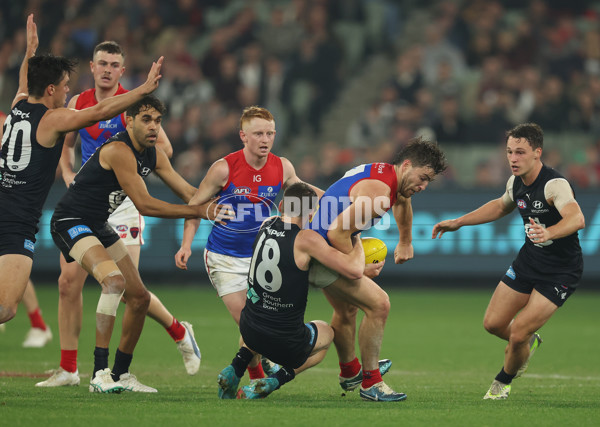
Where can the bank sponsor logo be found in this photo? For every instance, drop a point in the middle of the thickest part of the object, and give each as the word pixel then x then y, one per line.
pixel 79 229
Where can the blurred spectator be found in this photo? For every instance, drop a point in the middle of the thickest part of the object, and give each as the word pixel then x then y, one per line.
pixel 449 127
pixel 466 70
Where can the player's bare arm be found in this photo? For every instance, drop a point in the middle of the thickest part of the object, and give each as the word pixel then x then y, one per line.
pixel 290 177
pixel 403 215
pixel 309 244
pixel 32 44
pixel 67 157
pixel 163 142
pixel 164 169
pixel 117 156
pixel 370 199
pixel 559 194
pixel 491 211
pixel 213 182
pixel 59 121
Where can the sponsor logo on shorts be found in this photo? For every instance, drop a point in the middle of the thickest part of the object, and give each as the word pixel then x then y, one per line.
pixel 29 245
pixel 252 296
pixel 561 293
pixel 122 228
pixel 79 229
pixel 521 204
pixel 134 232
pixel 511 273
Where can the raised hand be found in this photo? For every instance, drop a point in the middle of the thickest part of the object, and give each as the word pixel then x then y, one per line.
pixel 153 76
pixel 32 36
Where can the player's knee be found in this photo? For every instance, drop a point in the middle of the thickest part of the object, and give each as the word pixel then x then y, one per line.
pixel 7 312
pixel 492 326
pixel 67 287
pixel 518 336
pixel 138 300
pixel 381 306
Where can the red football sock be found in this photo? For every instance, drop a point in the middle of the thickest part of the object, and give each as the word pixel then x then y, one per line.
pixel 371 378
pixel 176 330
pixel 256 372
pixel 68 360
pixel 350 369
pixel 35 317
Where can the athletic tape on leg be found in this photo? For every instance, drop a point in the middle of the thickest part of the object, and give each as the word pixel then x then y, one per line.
pixel 108 304
pixel 104 269
pixel 118 251
pixel 82 246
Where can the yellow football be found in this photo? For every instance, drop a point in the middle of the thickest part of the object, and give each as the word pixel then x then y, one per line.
pixel 375 250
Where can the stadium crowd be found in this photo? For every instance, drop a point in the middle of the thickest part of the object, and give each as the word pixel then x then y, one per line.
pixel 464 71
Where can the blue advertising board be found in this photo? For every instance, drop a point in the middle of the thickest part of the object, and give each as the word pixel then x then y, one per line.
pixel 483 250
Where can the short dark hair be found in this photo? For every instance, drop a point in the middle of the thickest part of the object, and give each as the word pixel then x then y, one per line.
pixel 109 47
pixel 148 101
pixel 532 132
pixel 422 153
pixel 45 70
pixel 299 199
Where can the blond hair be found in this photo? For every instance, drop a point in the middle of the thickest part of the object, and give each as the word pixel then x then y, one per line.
pixel 255 112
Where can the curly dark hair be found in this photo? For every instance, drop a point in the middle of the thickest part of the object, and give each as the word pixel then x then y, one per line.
pixel 422 153
pixel 46 70
pixel 532 132
pixel 148 101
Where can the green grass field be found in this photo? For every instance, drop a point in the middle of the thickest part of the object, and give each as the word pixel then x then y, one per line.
pixel 443 360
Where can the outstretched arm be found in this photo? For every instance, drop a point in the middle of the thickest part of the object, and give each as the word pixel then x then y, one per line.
pixel 62 120
pixel 32 44
pixel 117 156
pixel 67 157
pixel 489 212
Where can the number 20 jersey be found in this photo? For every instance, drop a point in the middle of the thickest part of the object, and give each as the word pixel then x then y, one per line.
pixel 27 169
pixel 251 192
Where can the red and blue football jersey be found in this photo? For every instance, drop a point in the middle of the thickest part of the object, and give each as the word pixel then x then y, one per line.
pixel 94 136
pixel 337 197
pixel 252 194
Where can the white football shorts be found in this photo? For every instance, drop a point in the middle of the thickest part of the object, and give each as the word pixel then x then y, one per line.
pixel 320 276
pixel 128 223
pixel 227 274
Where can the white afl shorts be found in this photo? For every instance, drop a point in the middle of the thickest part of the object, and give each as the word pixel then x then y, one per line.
pixel 227 274
pixel 128 223
pixel 320 276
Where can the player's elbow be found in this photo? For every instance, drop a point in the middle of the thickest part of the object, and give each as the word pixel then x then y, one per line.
pixel 580 222
pixel 355 271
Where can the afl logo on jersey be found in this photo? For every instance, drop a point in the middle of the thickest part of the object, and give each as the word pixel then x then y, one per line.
pixel 241 191
pixel 521 204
